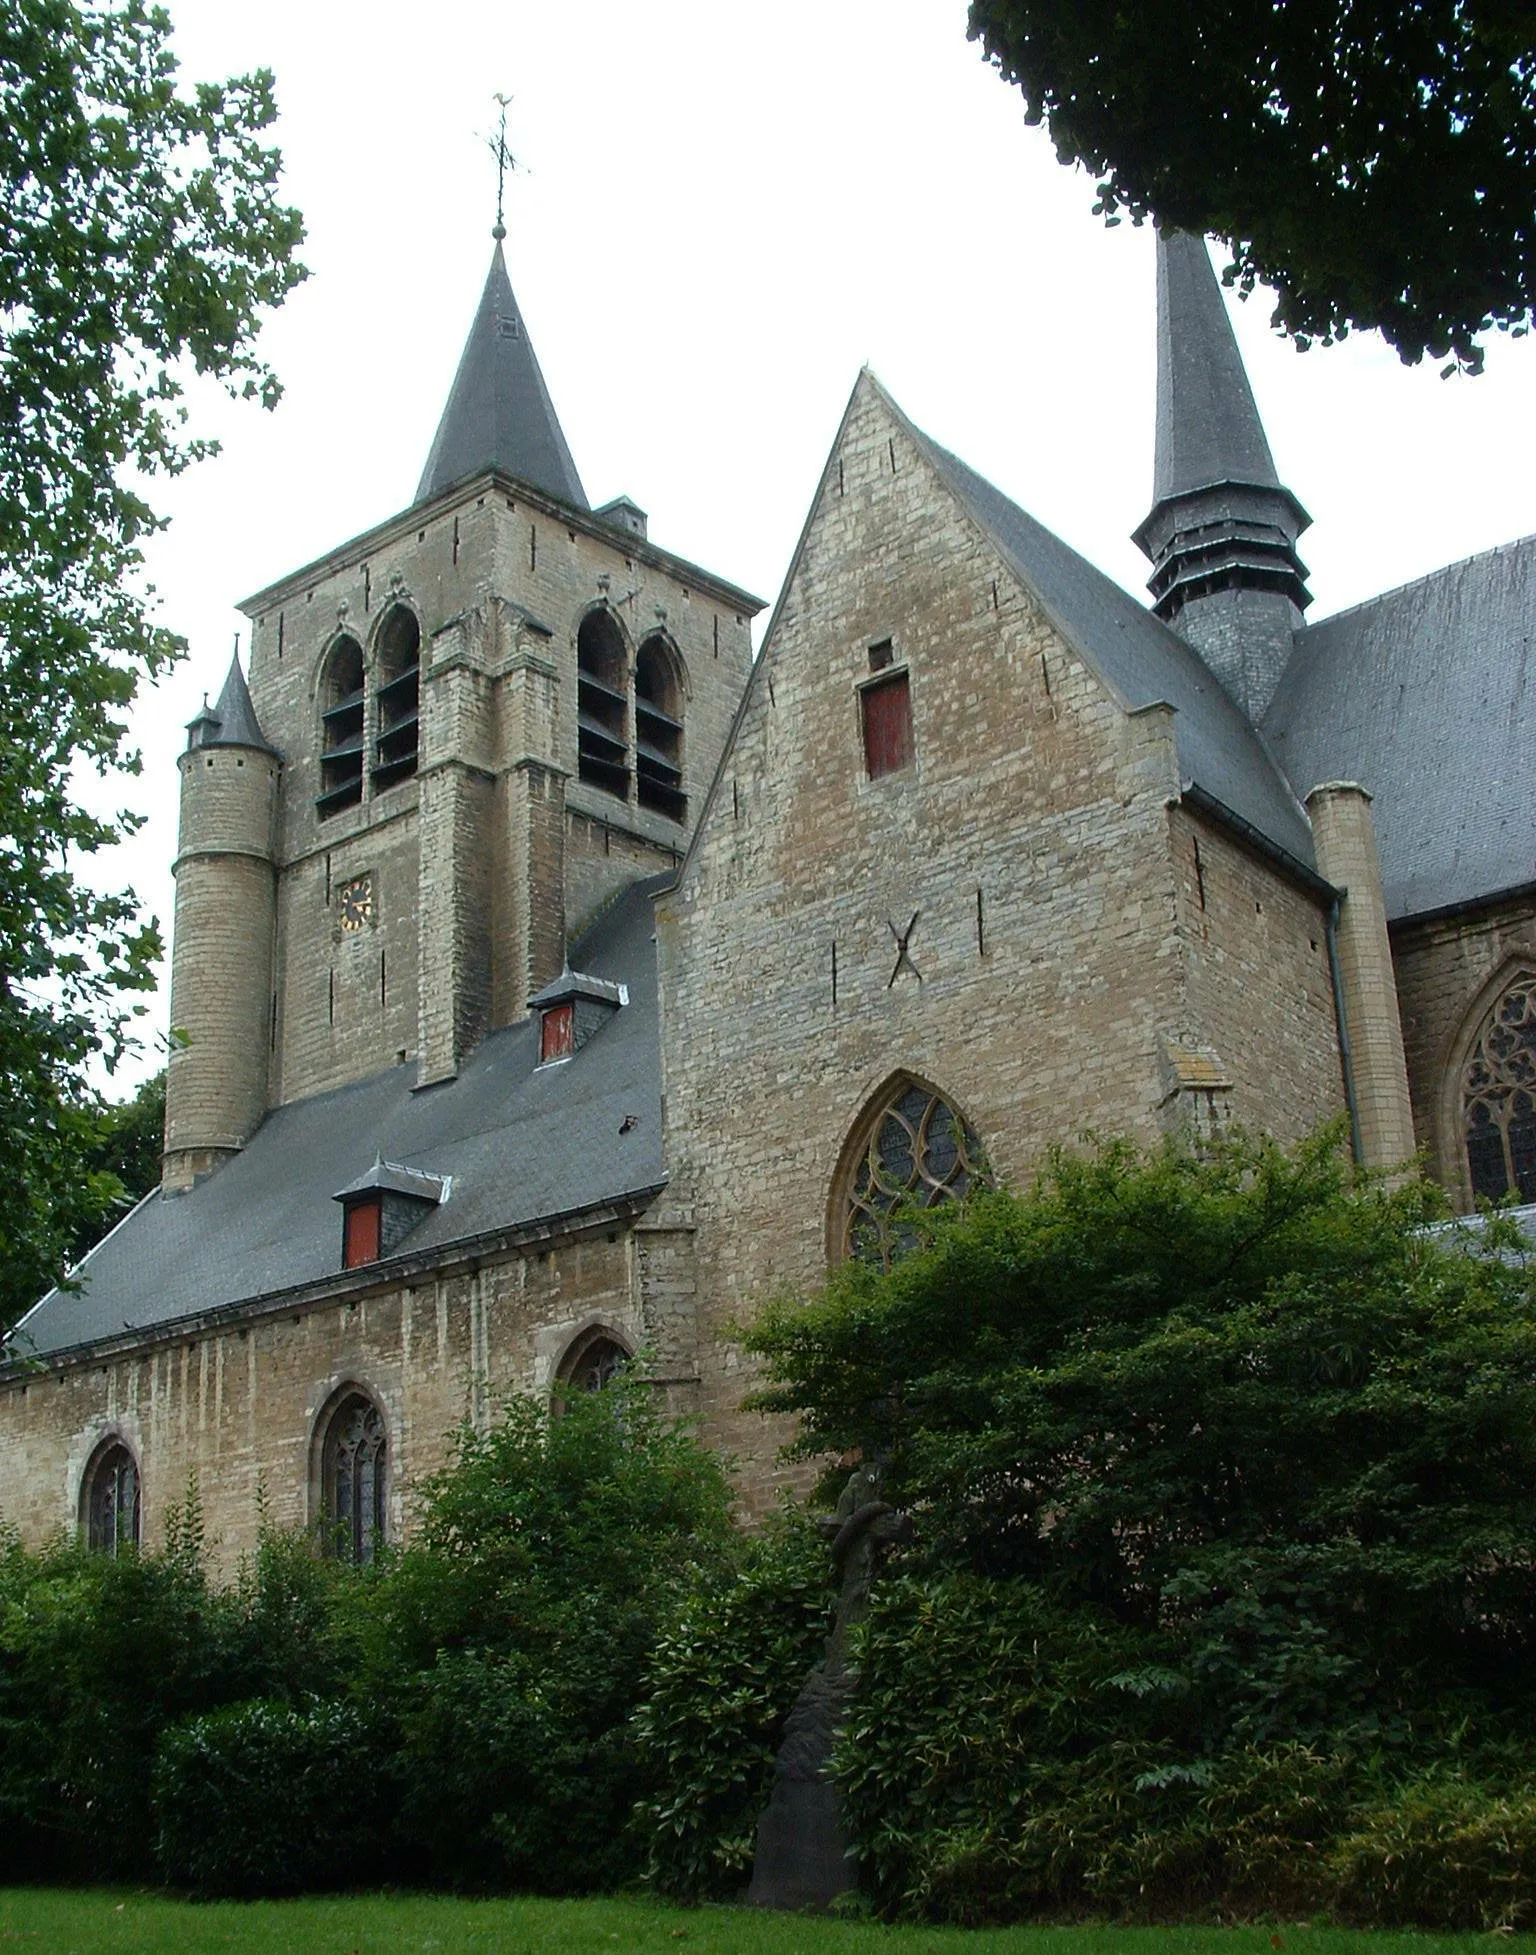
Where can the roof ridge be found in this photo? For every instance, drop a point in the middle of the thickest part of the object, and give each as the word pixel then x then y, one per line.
pixel 1412 583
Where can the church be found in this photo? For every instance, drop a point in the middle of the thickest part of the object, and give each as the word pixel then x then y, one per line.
pixel 551 979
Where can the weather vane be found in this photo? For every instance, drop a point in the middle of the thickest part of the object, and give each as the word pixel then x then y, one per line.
pixel 505 161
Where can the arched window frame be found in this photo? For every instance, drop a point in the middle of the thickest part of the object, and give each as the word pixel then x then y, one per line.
pixel 348 1529
pixel 110 1497
pixel 395 663
pixel 342 697
pixel 592 1359
pixel 604 701
pixel 1516 970
pixel 847 1208
pixel 660 714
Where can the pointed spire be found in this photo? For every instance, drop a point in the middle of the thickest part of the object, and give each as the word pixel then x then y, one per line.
pixel 499 414
pixel 1208 428
pixel 1222 531
pixel 233 722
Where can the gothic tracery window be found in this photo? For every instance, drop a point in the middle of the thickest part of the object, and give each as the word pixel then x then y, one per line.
pixel 1498 1096
pixel 354 1480
pixel 109 1502
pixel 918 1152
pixel 594 1361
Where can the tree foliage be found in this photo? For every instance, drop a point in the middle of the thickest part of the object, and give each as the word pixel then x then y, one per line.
pixel 141 239
pixel 1374 161
pixel 1244 1398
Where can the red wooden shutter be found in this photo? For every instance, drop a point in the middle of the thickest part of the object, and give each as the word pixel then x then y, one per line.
pixel 361 1240
pixel 557 1033
pixel 887 725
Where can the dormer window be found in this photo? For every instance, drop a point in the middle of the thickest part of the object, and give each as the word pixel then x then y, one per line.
pixel 399 657
pixel 571 1010
pixel 360 1232
pixel 380 1209
pixel 557 1033
pixel 341 728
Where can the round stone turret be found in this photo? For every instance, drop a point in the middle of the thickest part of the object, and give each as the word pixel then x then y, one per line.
pixel 222 947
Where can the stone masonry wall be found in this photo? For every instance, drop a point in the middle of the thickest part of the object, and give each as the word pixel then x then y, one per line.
pixel 241 1407
pixel 1449 971
pixel 1260 992
pixel 499 583
pixel 1023 857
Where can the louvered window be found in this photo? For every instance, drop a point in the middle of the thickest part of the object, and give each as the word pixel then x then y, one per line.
pixel 341 729
pixel 602 705
pixel 398 742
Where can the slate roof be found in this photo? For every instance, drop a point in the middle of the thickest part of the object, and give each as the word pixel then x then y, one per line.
pixel 1208 427
pixel 1425 696
pixel 522 1143
pixel 1140 658
pixel 233 722
pixel 499 413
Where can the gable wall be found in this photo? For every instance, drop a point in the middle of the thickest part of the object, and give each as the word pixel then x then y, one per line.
pixel 1030 785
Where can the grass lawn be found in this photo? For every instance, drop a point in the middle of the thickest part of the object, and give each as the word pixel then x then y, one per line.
pixel 99 1921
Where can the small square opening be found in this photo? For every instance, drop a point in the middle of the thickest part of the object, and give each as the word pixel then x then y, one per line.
pixel 880 655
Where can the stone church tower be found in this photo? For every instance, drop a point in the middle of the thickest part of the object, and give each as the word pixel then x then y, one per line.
pixel 465 731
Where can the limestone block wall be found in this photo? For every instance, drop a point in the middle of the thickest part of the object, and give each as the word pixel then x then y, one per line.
pixel 1450 970
pixel 1260 991
pixel 240 1406
pixel 1022 859
pixel 498 582
pixel 222 997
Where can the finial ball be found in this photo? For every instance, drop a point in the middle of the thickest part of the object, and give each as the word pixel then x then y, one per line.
pixel 498 232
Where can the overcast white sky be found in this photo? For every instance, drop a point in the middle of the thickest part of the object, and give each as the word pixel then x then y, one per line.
pixel 726 210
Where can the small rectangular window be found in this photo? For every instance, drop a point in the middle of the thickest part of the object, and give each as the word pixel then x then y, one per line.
pixel 880 655
pixel 557 1033
pixel 361 1244
pixel 887 710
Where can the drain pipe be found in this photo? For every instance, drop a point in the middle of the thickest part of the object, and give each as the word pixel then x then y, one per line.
pixel 1346 1060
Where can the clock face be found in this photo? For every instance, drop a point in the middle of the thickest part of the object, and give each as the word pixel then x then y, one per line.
pixel 355 903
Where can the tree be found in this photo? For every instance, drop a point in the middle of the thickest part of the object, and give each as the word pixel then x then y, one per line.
pixel 1245 1402
pixel 141 238
pixel 1372 160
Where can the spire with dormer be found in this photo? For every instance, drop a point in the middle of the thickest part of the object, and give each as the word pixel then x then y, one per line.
pixel 1222 531
pixel 499 414
pixel 233 722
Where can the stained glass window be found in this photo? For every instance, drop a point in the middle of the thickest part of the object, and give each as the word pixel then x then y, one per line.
pixel 110 1502
pixel 1499 1097
pixel 919 1152
pixel 355 1472
pixel 595 1361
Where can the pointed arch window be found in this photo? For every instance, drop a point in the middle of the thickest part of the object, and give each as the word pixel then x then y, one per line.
pixel 659 729
pixel 109 1501
pixel 1498 1096
pixel 594 1361
pixel 354 1479
pixel 341 728
pixel 398 743
pixel 602 704
pixel 914 1150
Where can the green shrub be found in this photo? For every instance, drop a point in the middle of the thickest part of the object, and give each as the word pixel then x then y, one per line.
pixel 263 1798
pixel 1443 1851
pixel 717 1691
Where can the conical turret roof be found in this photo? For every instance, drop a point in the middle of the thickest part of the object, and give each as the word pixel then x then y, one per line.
pixel 232 722
pixel 1208 428
pixel 499 414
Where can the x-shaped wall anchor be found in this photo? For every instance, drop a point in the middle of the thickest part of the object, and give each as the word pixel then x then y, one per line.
pixel 901 938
